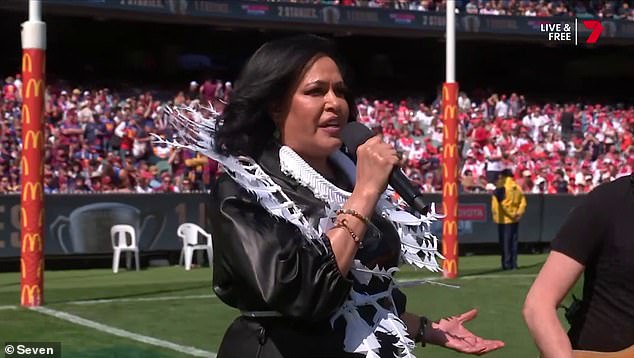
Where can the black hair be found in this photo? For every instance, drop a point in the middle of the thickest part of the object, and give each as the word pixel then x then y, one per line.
pixel 264 84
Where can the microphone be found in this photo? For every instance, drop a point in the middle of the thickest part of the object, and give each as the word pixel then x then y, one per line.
pixel 353 135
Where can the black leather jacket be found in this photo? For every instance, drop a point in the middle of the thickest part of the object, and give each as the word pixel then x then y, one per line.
pixel 263 263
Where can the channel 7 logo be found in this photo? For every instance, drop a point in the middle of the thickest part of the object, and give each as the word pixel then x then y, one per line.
pixel 566 32
pixel 596 27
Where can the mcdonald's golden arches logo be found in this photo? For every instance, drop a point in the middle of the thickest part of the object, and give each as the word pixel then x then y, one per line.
pixel 449 227
pixel 446 93
pixel 26 114
pixel 27 63
pixel 450 150
pixel 450 265
pixel 30 241
pixel 34 189
pixel 29 294
pixel 23 267
pixel 35 86
pixel 450 189
pixel 450 111
pixel 33 139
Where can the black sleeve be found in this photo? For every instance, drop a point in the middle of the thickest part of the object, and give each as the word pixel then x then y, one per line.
pixel 274 261
pixel 582 232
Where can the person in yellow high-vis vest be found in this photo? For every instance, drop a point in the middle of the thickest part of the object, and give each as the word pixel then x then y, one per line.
pixel 508 205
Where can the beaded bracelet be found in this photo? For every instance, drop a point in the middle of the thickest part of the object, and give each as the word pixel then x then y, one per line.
pixel 343 223
pixel 354 213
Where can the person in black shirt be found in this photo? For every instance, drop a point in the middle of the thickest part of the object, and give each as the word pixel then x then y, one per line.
pixel 560 184
pixel 596 239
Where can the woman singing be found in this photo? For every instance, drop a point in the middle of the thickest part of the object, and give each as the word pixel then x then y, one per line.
pixel 305 244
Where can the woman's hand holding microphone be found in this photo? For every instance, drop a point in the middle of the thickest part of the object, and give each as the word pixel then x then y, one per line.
pixel 375 161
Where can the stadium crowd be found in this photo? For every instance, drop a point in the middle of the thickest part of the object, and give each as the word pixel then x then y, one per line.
pixel 553 148
pixel 99 141
pixel 609 9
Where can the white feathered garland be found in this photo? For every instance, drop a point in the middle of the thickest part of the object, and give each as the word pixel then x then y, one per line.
pixel 196 129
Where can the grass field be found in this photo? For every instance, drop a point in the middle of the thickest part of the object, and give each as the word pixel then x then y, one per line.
pixel 169 312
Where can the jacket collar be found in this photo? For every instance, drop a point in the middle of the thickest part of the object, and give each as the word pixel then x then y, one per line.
pixel 269 160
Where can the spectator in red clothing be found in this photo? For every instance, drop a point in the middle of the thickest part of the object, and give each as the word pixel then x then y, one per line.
pixel 390 133
pixel 493 157
pixel 473 165
pixel 70 129
pixel 480 134
pixel 167 185
pixel 416 155
pixel 403 114
pixel 405 142
pixel 10 91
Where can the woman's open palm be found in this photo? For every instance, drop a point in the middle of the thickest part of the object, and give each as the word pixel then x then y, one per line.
pixel 451 333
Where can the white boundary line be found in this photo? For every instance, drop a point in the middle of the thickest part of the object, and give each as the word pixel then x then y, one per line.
pixel 194 297
pixel 474 277
pixel 520 275
pixel 140 299
pixel 123 333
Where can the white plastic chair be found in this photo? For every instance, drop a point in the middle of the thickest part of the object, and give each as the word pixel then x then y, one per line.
pixel 120 244
pixel 189 232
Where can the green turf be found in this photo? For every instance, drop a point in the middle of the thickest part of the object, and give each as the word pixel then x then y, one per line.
pixel 26 326
pixel 200 322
